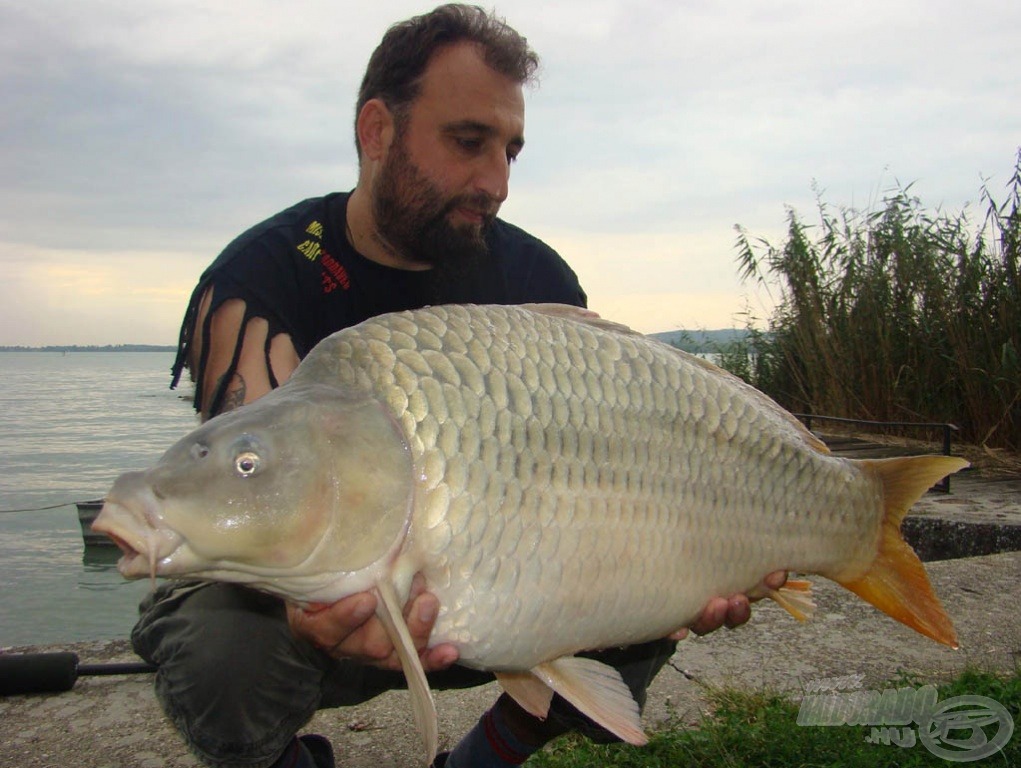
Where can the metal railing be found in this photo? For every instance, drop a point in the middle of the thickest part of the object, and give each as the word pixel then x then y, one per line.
pixel 947 430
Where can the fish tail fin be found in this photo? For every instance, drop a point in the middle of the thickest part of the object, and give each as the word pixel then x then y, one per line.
pixel 896 583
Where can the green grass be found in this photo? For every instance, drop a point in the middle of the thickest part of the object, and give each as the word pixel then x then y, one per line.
pixel 758 729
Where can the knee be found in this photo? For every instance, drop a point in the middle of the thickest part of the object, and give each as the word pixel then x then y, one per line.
pixel 214 627
pixel 219 638
pixel 231 675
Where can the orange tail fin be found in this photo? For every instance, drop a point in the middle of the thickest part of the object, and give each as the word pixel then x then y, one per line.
pixel 897 583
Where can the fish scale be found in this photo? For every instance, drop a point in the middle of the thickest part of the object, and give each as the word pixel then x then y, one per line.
pixel 561 483
pixel 632 447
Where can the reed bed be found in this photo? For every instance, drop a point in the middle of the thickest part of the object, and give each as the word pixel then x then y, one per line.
pixel 896 313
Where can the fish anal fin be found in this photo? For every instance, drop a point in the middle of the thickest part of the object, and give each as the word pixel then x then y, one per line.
pixel 529 691
pixel 388 609
pixel 598 691
pixel 795 597
pixel 897 583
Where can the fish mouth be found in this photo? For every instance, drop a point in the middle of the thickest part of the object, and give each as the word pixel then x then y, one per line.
pixel 136 529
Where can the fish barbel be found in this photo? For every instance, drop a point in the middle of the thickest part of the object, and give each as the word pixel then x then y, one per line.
pixel 562 483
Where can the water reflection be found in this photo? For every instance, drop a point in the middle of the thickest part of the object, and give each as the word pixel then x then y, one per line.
pixel 69 425
pixel 100 558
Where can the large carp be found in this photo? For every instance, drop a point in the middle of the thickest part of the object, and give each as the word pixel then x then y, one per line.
pixel 561 482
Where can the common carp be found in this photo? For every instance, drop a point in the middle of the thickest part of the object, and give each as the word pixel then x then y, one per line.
pixel 561 482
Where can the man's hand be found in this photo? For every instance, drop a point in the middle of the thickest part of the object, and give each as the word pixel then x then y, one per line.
pixel 349 629
pixel 730 612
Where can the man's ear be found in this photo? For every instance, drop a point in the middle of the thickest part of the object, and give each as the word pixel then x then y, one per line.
pixel 375 129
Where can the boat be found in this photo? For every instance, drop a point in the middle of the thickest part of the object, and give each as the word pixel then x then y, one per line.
pixel 87 512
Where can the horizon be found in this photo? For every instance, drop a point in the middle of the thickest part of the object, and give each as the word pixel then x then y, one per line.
pixel 146 347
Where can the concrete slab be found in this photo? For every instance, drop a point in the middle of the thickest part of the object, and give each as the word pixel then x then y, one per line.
pixel 981 516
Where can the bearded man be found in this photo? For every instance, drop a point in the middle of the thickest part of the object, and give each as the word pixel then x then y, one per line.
pixel 439 122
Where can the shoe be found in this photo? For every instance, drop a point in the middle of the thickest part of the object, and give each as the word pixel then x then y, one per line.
pixel 309 751
pixel 317 749
pixel 440 760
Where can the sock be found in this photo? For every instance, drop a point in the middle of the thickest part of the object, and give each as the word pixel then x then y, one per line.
pixel 489 744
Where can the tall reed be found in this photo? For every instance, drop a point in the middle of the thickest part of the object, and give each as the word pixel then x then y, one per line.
pixel 894 314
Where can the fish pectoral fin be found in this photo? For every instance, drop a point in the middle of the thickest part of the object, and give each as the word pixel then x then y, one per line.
pixel 529 691
pixel 795 597
pixel 423 707
pixel 598 691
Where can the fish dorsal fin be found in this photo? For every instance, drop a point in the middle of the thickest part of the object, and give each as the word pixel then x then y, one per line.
pixel 588 317
pixel 779 412
pixel 598 691
pixel 580 315
pixel 423 707
pixel 526 689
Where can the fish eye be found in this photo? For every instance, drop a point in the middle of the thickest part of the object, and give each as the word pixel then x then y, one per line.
pixel 247 463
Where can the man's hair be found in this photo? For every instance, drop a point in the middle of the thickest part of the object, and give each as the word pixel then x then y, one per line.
pixel 396 67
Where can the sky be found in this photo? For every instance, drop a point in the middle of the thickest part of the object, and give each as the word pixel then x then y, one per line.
pixel 138 137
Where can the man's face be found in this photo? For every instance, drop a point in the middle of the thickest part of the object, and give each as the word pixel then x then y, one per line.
pixel 447 168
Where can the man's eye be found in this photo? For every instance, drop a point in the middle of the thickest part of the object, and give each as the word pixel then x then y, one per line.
pixel 470 145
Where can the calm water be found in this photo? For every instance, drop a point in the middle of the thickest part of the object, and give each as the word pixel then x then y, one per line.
pixel 69 424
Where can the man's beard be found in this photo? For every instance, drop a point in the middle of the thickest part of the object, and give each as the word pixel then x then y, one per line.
pixel 412 217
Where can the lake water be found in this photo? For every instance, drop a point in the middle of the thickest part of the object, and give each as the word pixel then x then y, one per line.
pixel 69 425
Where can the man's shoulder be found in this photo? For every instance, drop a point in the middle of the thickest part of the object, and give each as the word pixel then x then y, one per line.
pixel 287 229
pixel 533 270
pixel 507 238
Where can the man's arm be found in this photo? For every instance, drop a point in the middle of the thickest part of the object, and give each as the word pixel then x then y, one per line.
pixel 250 378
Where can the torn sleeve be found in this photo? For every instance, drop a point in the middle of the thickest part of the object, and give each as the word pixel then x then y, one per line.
pixel 223 289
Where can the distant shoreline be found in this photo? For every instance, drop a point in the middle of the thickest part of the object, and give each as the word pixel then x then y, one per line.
pixel 104 348
pixel 700 341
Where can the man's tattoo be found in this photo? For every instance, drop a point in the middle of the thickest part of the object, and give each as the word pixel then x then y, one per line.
pixel 234 397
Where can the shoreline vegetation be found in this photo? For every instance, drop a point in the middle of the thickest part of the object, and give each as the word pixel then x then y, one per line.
pixel 893 314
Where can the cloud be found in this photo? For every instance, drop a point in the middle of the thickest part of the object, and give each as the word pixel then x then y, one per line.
pixel 163 129
pixel 84 297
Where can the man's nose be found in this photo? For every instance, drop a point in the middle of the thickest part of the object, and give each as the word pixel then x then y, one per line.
pixel 493 175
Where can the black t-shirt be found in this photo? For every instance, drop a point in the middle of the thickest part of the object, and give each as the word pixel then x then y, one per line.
pixel 298 271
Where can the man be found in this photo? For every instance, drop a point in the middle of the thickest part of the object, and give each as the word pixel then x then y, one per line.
pixel 440 120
